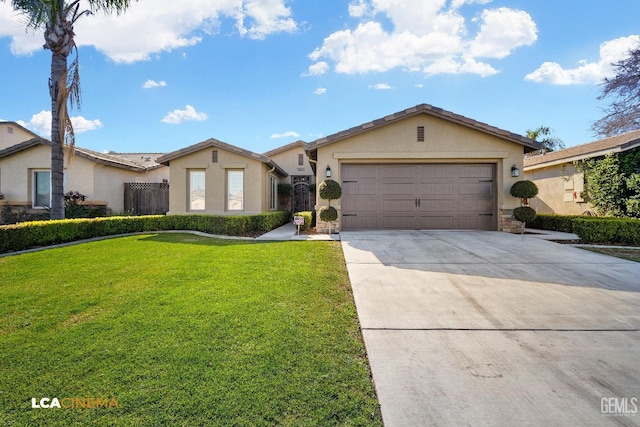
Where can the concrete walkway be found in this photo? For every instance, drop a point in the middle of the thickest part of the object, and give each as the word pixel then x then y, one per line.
pixel 288 232
pixel 496 329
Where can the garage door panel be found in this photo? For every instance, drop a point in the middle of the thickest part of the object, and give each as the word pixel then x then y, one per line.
pixel 437 205
pixel 435 189
pixel 391 172
pixel 479 206
pixel 399 205
pixel 437 171
pixel 437 222
pixel 399 189
pixel 475 188
pixel 399 222
pixel 360 205
pixel 422 196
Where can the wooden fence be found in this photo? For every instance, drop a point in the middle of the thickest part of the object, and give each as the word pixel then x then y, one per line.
pixel 142 198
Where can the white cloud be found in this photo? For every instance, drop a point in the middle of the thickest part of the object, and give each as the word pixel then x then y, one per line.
pixel 317 69
pixel 432 37
pixel 288 134
pixel 189 114
pixel 587 72
pixel 320 91
pixel 380 86
pixel 419 85
pixel 40 123
pixel 149 27
pixel 150 84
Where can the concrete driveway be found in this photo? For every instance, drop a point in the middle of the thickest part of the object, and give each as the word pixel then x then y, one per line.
pixel 489 328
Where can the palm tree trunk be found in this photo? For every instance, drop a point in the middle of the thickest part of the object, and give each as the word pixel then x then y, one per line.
pixel 57 84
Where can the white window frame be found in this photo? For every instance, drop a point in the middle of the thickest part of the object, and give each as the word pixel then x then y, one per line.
pixel 34 188
pixel 191 205
pixel 235 201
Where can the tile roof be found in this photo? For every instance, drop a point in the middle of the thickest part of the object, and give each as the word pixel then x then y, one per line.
pixel 212 142
pixel 617 143
pixel 116 160
pixel 432 111
pixel 18 125
pixel 284 148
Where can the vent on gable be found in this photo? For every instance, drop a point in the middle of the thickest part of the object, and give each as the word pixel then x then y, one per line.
pixel 9 129
pixel 300 159
pixel 420 133
pixel 214 156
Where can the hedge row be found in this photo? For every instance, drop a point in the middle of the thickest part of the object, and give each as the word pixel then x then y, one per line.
pixel 555 222
pixel 42 233
pixel 625 231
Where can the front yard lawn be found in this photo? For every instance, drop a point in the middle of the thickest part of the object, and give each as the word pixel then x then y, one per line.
pixel 182 330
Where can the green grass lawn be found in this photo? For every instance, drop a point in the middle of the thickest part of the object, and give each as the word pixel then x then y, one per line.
pixel 183 331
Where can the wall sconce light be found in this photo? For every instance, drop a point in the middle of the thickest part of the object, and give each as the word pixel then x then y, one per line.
pixel 515 172
pixel 328 172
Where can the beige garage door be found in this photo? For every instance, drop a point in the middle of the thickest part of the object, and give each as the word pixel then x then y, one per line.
pixel 433 196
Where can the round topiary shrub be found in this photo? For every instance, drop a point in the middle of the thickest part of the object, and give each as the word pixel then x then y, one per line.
pixel 524 189
pixel 524 214
pixel 328 213
pixel 329 190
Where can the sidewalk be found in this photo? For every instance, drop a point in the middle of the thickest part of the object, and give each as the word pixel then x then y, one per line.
pixel 288 232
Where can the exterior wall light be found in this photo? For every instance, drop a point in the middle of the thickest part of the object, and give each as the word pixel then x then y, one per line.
pixel 515 172
pixel 328 172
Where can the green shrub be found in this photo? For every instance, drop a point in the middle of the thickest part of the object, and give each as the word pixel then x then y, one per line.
pixel 554 222
pixel 329 190
pixel 308 219
pixel 524 214
pixel 608 231
pixel 328 214
pixel 42 233
pixel 285 189
pixel 524 189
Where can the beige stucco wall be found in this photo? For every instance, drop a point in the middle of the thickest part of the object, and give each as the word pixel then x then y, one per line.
pixel 256 179
pixel 16 173
pixel 560 189
pixel 288 160
pixel 445 142
pixel 12 135
pixel 100 183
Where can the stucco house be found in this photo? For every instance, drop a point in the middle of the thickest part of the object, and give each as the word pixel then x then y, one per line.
pixel 213 177
pixel 11 133
pixel 293 159
pixel 560 183
pixel 25 177
pixel 422 168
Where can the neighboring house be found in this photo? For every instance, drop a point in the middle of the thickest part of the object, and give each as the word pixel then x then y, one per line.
pixel 293 159
pixel 422 168
pixel 25 175
pixel 11 133
pixel 560 183
pixel 213 177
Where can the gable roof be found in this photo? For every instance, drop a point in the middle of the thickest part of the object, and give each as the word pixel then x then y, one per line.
pixel 614 144
pixel 287 147
pixel 212 142
pixel 19 126
pixel 114 160
pixel 528 144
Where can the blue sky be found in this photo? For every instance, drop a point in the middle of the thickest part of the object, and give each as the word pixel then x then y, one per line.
pixel 263 73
